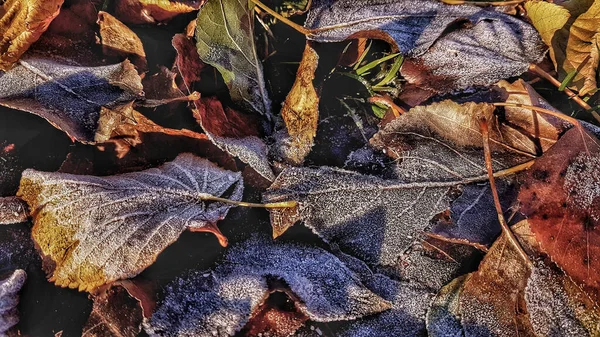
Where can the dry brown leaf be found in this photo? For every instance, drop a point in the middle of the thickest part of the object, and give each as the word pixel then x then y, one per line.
pixel 547 18
pixel 118 40
pixel 21 24
pixel 115 314
pixel 560 197
pixel 153 11
pixel 188 62
pixel 300 112
pixel 161 88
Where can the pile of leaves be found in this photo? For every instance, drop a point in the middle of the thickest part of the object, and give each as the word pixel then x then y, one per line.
pixel 299 168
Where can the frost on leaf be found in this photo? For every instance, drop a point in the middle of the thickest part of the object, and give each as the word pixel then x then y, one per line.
pixel 220 303
pixel 448 47
pixel 561 198
pixel 95 230
pixel 9 299
pixel 12 210
pixel 225 35
pixel 21 24
pixel 70 97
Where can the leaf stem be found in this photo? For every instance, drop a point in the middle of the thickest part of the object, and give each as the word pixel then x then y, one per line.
pixel 297 27
pixel 483 125
pixel 283 204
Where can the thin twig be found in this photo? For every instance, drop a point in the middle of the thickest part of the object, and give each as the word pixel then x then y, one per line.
pixel 543 74
pixel 279 17
pixel 483 124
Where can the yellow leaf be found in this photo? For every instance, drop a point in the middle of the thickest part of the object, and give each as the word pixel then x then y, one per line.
pixel 547 18
pixel 300 111
pixel 21 24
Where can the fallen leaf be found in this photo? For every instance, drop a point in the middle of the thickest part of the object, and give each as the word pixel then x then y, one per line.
pixel 220 302
pixel 187 62
pixel 88 236
pixel 561 201
pixel 225 35
pixel 115 314
pixel 443 316
pixel 118 40
pixel 161 88
pixel 274 319
pixel 446 47
pixel 9 299
pixel 21 24
pixel 13 210
pixel 300 112
pixel 153 11
pixel 70 97
pixel 547 18
pixel 235 133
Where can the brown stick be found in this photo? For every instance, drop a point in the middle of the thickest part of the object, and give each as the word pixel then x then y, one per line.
pixel 278 16
pixel 483 124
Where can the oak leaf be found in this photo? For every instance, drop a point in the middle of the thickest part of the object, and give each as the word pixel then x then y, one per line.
pixel 70 97
pixel 220 302
pixel 21 24
pixel 447 47
pixel 225 35
pixel 95 230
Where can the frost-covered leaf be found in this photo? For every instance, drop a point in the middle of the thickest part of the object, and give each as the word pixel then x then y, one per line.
pixel 70 97
pixel 219 303
pixel 235 133
pixel 550 310
pixel 21 24
pixel 560 197
pixel 94 230
pixel 225 34
pixel 12 210
pixel 300 112
pixel 9 299
pixel 448 47
pixel 443 316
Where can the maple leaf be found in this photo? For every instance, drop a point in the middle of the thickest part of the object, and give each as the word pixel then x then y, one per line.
pixel 560 199
pixel 221 302
pixel 446 47
pixel 21 24
pixel 300 112
pixel 9 299
pixel 70 97
pixel 225 35
pixel 95 230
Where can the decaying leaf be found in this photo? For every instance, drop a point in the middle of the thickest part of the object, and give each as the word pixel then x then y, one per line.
pixel 21 24
pixel 9 299
pixel 300 112
pixel 561 200
pixel 12 210
pixel 225 34
pixel 234 133
pixel 272 318
pixel 119 40
pixel 219 303
pixel 188 61
pixel 153 11
pixel 94 230
pixel 161 88
pixel 115 314
pixel 448 47
pixel 443 316
pixel 70 97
